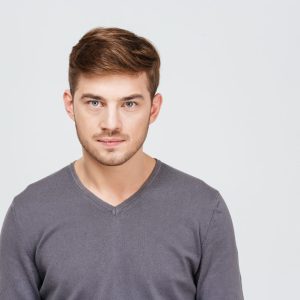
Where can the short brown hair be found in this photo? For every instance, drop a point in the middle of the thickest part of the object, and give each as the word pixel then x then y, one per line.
pixel 114 50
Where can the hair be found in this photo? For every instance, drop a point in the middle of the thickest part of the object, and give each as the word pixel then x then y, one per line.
pixel 112 50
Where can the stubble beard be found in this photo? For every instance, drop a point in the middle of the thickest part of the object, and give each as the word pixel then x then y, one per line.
pixel 111 157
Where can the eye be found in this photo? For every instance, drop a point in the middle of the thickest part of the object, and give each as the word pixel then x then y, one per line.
pixel 131 102
pixel 94 103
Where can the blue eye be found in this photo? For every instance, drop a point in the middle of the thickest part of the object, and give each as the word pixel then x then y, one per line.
pixel 93 101
pixel 96 104
pixel 131 102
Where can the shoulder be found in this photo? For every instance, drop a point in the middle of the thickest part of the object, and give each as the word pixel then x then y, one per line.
pixel 190 188
pixel 192 199
pixel 42 190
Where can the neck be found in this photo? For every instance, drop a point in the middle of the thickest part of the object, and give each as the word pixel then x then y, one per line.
pixel 114 181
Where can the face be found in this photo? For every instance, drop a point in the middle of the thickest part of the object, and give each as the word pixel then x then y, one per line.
pixel 114 107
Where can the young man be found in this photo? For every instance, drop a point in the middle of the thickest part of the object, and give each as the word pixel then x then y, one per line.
pixel 117 224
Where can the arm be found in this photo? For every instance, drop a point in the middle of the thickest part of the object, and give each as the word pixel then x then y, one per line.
pixel 219 275
pixel 19 278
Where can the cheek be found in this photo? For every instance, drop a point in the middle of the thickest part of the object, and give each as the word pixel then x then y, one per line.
pixel 86 123
pixel 131 122
pixel 136 123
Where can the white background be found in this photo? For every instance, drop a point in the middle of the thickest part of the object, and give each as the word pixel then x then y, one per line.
pixel 230 81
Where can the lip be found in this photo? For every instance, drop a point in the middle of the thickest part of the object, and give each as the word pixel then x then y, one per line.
pixel 110 140
pixel 110 143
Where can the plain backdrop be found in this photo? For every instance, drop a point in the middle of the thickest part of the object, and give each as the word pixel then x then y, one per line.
pixel 230 83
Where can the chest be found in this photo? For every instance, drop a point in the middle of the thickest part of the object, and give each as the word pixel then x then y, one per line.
pixel 145 251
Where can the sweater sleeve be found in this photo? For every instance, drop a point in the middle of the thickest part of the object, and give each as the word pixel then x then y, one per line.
pixel 19 278
pixel 219 273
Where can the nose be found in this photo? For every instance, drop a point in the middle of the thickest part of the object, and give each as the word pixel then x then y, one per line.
pixel 110 119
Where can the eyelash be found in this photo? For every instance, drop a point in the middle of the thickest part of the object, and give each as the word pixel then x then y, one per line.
pixel 136 104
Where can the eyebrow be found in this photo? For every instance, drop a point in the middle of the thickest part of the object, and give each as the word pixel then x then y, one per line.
pixel 98 97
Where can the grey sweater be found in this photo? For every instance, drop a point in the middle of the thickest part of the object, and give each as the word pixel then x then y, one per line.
pixel 173 239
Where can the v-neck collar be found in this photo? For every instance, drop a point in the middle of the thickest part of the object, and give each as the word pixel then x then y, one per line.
pixel 125 203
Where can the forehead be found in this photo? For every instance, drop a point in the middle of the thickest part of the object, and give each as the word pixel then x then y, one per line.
pixel 116 85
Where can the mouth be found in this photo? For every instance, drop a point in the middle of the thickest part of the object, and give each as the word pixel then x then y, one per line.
pixel 111 143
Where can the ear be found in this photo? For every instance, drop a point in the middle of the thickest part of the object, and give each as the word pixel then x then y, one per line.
pixel 155 108
pixel 69 103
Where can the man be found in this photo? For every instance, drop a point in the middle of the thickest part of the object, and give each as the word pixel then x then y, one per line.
pixel 117 224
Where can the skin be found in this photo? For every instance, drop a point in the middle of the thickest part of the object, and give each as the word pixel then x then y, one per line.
pixel 113 174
